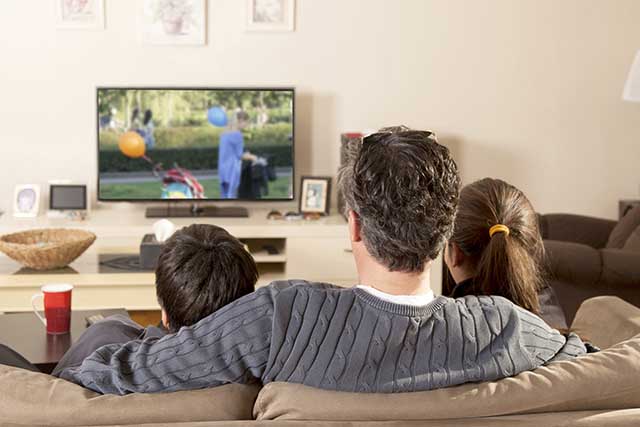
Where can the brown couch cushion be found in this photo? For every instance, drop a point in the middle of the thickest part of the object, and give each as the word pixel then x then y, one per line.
pixel 29 398
pixel 623 230
pixel 620 272
pixel 609 379
pixel 573 262
pixel 633 242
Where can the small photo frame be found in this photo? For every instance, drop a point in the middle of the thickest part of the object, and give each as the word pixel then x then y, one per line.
pixel 173 22
pixel 80 14
pixel 315 194
pixel 26 201
pixel 271 15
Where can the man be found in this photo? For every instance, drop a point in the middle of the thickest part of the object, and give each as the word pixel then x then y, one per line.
pixel 389 334
pixel 230 154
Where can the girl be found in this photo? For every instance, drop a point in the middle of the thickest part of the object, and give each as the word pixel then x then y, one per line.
pixel 496 247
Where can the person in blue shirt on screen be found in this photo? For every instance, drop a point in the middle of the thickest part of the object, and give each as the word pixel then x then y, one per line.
pixel 230 155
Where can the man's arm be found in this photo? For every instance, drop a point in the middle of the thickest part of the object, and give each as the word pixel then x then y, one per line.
pixel 230 345
pixel 545 344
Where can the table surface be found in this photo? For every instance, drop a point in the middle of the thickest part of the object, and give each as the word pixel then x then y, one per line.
pixel 26 334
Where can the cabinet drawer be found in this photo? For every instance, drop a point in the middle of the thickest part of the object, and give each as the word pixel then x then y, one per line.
pixel 321 259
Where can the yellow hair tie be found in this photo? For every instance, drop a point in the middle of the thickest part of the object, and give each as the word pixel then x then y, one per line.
pixel 498 228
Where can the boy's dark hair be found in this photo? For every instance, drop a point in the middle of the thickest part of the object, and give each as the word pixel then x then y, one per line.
pixel 201 268
pixel 404 188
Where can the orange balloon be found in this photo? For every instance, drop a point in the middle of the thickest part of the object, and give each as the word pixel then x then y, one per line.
pixel 131 144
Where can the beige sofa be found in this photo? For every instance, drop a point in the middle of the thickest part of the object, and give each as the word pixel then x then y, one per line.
pixel 601 389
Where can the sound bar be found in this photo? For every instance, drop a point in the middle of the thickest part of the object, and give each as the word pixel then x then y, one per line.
pixel 195 211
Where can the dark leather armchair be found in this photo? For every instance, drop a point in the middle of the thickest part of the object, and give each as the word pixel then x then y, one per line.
pixel 580 265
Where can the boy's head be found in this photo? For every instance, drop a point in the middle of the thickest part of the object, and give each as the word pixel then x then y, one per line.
pixel 242 119
pixel 201 268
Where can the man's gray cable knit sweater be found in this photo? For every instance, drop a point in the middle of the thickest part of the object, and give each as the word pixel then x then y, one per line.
pixel 333 338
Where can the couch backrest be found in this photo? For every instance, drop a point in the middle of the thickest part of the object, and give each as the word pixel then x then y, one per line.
pixel 609 379
pixel 606 380
pixel 29 398
pixel 585 230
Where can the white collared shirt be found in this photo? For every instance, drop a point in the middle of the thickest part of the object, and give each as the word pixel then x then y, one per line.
pixel 414 300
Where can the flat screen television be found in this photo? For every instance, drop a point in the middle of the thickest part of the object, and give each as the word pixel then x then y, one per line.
pixel 195 144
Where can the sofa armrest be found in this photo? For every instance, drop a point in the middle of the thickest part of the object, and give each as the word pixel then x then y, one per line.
pixel 573 262
pixel 587 230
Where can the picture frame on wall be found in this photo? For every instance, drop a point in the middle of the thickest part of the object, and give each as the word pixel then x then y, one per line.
pixel 271 15
pixel 315 195
pixel 80 14
pixel 26 201
pixel 173 22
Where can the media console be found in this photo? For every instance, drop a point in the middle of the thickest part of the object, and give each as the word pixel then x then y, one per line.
pixel 313 250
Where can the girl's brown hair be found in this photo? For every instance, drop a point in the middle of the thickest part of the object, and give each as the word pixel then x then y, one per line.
pixel 507 264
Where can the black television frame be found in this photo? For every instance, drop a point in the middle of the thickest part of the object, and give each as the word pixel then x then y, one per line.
pixel 203 202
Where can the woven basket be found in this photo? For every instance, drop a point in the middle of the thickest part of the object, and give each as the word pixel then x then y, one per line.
pixel 47 248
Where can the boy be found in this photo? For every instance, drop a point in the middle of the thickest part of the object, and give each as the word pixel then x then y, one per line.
pixel 201 268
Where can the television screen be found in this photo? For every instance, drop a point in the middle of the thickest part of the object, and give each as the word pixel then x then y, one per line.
pixel 195 143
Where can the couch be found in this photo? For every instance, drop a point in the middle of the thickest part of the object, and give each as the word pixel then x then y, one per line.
pixel 600 389
pixel 590 256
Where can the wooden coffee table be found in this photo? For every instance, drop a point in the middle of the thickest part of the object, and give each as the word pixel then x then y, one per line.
pixel 24 333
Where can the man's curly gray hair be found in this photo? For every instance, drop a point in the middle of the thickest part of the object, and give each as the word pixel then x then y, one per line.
pixel 404 188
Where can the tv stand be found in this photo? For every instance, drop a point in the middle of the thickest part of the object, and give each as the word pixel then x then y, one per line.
pixel 196 211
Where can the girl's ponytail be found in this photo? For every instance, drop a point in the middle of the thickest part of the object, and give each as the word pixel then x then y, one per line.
pixel 507 269
pixel 497 228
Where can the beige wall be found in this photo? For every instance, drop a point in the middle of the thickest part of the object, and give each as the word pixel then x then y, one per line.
pixel 525 90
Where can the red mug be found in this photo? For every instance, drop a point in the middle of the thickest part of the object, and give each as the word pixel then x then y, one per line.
pixel 57 307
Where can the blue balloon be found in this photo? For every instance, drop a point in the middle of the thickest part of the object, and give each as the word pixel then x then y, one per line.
pixel 217 116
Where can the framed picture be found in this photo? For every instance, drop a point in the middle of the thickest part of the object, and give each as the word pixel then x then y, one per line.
pixel 173 22
pixel 26 201
pixel 315 194
pixel 80 14
pixel 271 15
